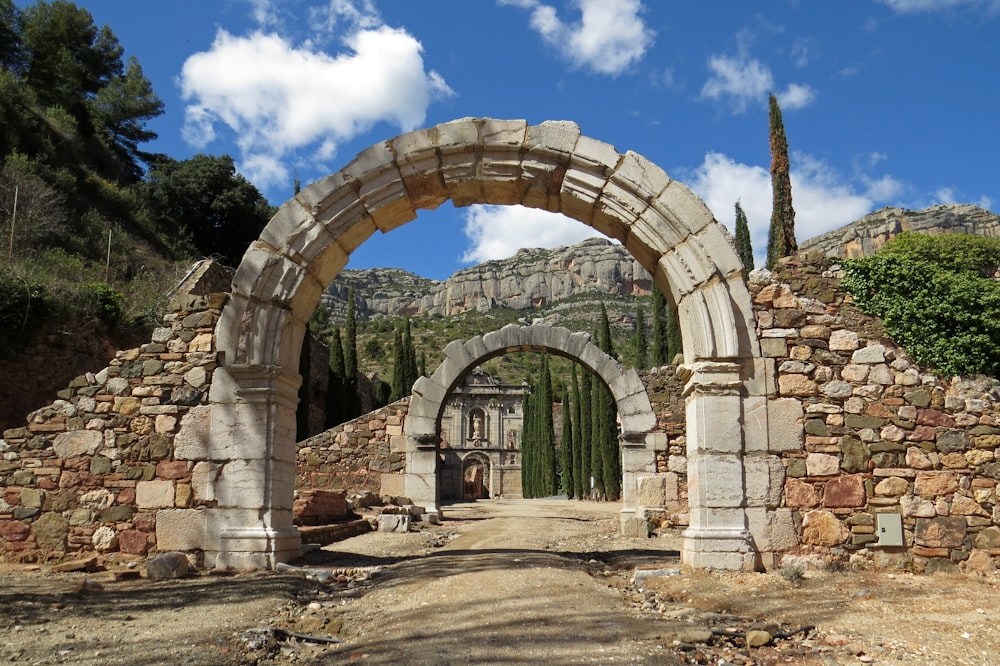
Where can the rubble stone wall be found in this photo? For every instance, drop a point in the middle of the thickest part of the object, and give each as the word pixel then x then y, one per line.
pixel 95 469
pixel 355 455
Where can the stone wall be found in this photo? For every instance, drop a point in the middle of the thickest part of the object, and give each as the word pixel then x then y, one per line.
pixel 95 469
pixel 355 455
pixel 879 435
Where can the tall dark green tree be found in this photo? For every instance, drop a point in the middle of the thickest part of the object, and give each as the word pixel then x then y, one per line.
pixel 605 430
pixel 336 411
pixel 568 475
pixel 586 431
pixel 548 479
pixel 579 475
pixel 781 235
pixel 11 45
pixel 398 367
pixel 352 400
pixel 302 429
pixel 640 340
pixel 404 369
pixel 675 345
pixel 744 247
pixel 604 337
pixel 528 458
pixel 596 438
pixel 659 354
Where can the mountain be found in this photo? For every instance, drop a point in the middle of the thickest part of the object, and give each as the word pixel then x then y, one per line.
pixel 867 235
pixel 531 279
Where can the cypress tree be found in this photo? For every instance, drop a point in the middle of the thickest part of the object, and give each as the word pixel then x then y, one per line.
pixel 305 371
pixel 641 342
pixel 604 341
pixel 586 427
pixel 675 345
pixel 605 430
pixel 546 433
pixel 527 446
pixel 352 401
pixel 568 477
pixel 744 247
pixel 578 472
pixel 781 235
pixel 658 351
pixel 596 437
pixel 398 368
pixel 335 412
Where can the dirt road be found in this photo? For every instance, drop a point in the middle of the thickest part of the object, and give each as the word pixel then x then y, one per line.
pixel 499 582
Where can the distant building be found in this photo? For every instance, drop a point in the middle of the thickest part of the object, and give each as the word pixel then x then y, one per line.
pixel 481 430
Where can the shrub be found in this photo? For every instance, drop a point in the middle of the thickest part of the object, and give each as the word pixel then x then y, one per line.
pixel 935 298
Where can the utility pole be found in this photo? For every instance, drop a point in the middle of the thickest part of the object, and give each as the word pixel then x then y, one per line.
pixel 13 219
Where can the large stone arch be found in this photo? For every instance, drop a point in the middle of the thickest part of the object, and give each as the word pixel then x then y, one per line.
pixel 550 166
pixel 460 357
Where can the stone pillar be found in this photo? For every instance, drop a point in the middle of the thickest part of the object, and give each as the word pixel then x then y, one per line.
pixel 717 537
pixel 253 410
pixel 638 457
pixel 420 483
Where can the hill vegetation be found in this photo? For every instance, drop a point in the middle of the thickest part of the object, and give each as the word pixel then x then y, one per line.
pixel 86 215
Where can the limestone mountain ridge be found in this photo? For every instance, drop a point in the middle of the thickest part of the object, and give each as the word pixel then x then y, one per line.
pixel 868 234
pixel 533 278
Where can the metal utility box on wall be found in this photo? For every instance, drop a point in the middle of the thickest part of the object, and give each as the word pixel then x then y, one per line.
pixel 889 527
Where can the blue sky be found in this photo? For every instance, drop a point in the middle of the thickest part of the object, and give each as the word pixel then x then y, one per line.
pixel 885 102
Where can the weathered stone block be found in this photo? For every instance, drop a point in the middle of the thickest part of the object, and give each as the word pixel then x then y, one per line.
pixel 844 492
pixel 154 494
pixel 940 532
pixel 823 528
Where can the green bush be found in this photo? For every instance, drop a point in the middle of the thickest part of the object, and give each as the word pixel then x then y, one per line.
pixel 106 303
pixel 936 298
pixel 24 303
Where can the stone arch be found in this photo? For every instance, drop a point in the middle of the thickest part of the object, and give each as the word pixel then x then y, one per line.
pixel 460 357
pixel 551 166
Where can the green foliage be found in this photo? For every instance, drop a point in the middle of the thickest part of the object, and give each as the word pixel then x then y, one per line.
pixel 23 306
pixel 744 247
pixel 107 304
pixel 659 351
pixel 933 299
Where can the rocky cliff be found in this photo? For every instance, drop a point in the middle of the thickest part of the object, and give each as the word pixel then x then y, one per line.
pixel 871 232
pixel 532 278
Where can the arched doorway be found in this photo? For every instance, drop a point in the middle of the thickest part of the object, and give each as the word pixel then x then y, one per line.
pixel 552 166
pixel 475 477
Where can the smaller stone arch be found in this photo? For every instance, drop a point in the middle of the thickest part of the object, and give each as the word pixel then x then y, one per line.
pixel 427 402
pixel 476 472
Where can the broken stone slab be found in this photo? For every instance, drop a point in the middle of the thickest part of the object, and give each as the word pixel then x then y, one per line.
pixel 167 566
pixel 321 575
pixel 394 523
pixel 642 575
pixel 86 564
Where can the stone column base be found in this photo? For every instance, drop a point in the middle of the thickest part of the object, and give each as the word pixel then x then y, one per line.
pixel 633 525
pixel 727 549
pixel 258 547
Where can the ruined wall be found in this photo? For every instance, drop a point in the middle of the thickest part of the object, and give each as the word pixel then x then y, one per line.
pixel 879 435
pixel 95 469
pixel 355 455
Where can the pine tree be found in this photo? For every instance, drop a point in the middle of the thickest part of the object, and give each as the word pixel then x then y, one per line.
pixel 781 236
pixel 578 471
pixel 641 342
pixel 659 351
pixel 568 477
pixel 743 245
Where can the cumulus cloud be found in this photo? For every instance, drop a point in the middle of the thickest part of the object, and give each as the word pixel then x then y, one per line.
pixel 744 81
pixel 497 232
pixel 278 98
pixel 608 38
pixel 823 199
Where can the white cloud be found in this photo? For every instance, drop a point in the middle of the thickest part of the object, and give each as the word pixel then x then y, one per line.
pixel 497 232
pixel 823 201
pixel 745 81
pixel 278 98
pixel 609 37
pixel 917 6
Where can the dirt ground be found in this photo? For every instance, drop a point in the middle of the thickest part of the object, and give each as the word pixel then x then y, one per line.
pixel 499 582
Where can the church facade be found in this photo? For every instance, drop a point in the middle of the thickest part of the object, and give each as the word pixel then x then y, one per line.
pixel 481 428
